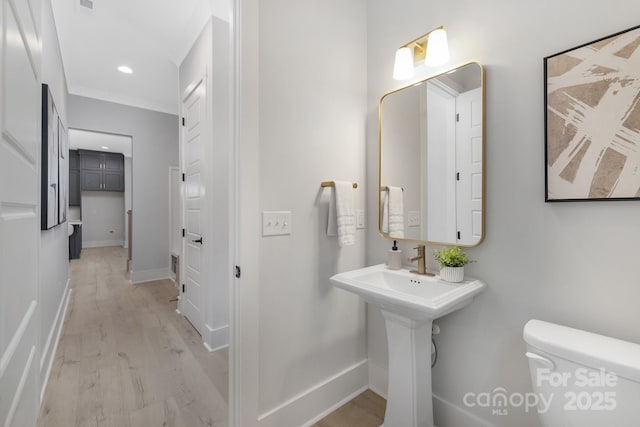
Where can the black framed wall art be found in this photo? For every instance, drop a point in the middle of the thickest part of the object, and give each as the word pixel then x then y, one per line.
pixel 592 120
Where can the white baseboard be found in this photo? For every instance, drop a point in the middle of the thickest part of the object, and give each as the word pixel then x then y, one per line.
pixel 102 243
pixel 150 275
pixel 447 414
pixel 216 339
pixel 313 404
pixel 49 350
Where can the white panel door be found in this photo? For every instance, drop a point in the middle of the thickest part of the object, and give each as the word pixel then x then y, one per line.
pixel 469 166
pixel 440 156
pixel 195 274
pixel 20 121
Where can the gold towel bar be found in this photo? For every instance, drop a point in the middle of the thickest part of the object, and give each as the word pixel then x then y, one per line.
pixel 325 184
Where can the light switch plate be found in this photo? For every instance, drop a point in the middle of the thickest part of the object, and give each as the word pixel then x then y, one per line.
pixel 276 223
pixel 359 218
pixel 413 219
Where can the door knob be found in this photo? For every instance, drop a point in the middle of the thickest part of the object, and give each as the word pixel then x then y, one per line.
pixel 199 240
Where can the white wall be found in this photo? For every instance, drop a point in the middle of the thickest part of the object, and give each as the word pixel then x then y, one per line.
pixel 303 122
pixel 210 56
pixel 155 148
pixel 54 243
pixel 571 263
pixel 102 221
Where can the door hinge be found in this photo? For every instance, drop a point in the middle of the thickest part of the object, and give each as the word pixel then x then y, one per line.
pixel 457 176
pixel 459 235
pixel 457 117
pixel 183 288
pixel 183 234
pixel 183 121
pixel 182 177
pixel 238 272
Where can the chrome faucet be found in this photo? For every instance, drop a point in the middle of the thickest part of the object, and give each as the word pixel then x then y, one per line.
pixel 422 268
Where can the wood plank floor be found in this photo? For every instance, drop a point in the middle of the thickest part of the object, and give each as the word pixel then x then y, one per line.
pixel 126 358
pixel 366 410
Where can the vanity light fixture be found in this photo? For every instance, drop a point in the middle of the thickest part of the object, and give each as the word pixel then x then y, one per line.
pixel 432 49
pixel 124 69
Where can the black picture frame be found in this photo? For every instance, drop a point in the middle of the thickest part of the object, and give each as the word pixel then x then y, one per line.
pixel 49 190
pixel 589 124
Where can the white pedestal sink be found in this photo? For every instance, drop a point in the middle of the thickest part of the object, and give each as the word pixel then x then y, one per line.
pixel 409 303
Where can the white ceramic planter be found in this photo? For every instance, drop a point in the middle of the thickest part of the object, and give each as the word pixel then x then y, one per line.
pixel 452 274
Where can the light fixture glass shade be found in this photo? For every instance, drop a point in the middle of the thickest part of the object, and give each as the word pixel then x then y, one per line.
pixel 437 48
pixel 403 67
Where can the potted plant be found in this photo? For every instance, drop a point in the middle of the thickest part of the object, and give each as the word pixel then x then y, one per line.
pixel 452 261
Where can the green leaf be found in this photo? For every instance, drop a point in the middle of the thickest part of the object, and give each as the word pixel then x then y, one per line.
pixel 451 257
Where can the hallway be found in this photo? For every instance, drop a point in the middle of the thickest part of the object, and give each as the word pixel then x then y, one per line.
pixel 126 358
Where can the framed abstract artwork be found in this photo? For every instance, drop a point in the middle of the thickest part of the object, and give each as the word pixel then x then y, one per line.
pixel 592 120
pixel 50 160
pixel 63 173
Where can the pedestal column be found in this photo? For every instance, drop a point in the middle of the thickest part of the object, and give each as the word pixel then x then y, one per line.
pixel 409 401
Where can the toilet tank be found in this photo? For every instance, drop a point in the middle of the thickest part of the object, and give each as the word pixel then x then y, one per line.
pixel 583 379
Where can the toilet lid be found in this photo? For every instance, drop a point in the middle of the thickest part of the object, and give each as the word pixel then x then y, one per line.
pixel 586 348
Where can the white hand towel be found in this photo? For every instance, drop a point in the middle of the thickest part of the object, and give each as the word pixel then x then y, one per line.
pixel 342 218
pixel 385 212
pixel 395 212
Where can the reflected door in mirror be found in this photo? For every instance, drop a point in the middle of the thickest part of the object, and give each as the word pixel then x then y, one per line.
pixel 432 145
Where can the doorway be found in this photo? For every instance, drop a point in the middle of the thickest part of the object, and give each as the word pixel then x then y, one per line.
pixel 100 190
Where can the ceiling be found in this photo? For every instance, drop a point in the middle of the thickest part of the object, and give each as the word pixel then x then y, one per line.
pixel 150 36
pixel 88 140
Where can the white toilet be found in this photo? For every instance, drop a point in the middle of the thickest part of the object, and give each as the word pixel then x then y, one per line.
pixel 583 379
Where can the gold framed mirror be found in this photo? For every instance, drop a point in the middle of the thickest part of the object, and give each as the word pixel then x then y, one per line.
pixel 431 155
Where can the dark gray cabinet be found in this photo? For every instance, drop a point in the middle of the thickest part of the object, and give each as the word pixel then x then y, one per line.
pixel 101 171
pixel 74 178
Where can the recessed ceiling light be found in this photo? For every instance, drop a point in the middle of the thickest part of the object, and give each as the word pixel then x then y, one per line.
pixel 104 147
pixel 125 69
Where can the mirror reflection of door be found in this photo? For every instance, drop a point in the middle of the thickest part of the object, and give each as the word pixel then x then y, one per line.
pixel 469 167
pixel 431 145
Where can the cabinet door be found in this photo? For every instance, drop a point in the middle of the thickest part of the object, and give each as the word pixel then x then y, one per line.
pixel 113 181
pixel 74 160
pixel 113 162
pixel 74 187
pixel 90 160
pixel 90 180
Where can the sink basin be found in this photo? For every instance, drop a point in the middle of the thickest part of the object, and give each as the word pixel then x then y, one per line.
pixel 409 303
pixel 409 294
